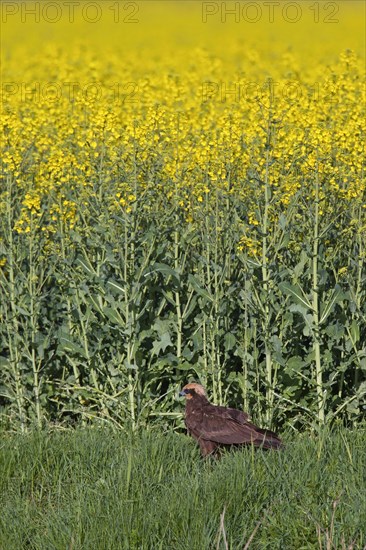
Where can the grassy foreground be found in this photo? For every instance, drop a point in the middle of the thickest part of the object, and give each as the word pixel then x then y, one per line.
pixel 98 489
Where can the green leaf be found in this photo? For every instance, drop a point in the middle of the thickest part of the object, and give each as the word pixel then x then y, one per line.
pixel 168 295
pixel 184 366
pixel 355 331
pixel 94 302
pixel 161 326
pixel 197 287
pixel 229 341
pixel 282 221
pixel 116 286
pixel 295 363
pixel 334 298
pixel 299 268
pixel 297 308
pixel 86 265
pixel 67 344
pixel 114 316
pixel 336 331
pixel 296 292
pixel 130 366
pixel 190 307
pixel 4 362
pixel 113 371
pixel 166 270
pixel 162 344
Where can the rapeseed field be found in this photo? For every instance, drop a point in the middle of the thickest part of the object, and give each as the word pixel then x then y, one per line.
pixel 182 196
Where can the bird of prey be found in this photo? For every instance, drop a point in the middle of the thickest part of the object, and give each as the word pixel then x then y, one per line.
pixel 213 426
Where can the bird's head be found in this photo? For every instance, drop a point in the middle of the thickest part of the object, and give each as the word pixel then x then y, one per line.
pixel 190 390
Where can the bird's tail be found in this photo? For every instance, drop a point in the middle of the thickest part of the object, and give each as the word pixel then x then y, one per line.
pixel 269 440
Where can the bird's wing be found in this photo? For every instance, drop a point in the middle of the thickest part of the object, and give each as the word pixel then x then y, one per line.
pixel 239 416
pixel 227 431
pixel 221 425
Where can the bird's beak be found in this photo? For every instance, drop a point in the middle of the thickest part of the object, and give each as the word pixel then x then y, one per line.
pixel 182 393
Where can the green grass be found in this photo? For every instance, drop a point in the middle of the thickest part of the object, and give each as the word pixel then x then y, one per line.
pixel 100 489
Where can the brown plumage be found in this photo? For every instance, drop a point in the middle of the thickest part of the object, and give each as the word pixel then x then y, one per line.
pixel 214 426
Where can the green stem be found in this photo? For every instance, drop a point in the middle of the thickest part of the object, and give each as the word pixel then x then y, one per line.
pixel 216 305
pixel 315 305
pixel 360 266
pixel 204 344
pixel 68 300
pixel 128 318
pixel 33 322
pixel 265 279
pixel 177 295
pixel 14 330
pixel 245 360
pixel 129 270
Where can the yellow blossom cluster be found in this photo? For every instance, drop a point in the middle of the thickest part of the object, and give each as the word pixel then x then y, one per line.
pixel 106 122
